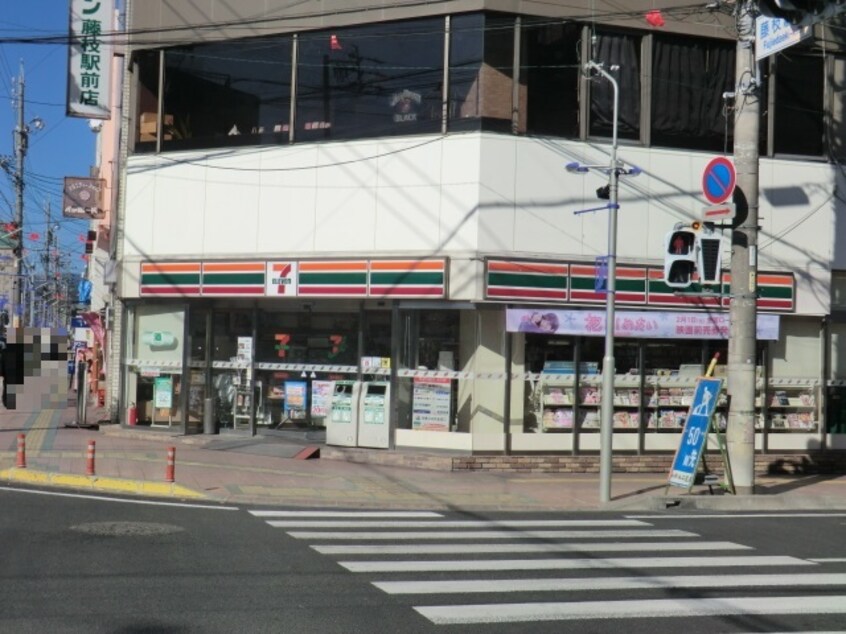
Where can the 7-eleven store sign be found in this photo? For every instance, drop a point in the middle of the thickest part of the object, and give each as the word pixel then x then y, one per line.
pixel 281 280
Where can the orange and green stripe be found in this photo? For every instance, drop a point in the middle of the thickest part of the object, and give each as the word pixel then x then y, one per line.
pixel 170 279
pixel 695 296
pixel 234 278
pixel 526 280
pixel 630 284
pixel 407 278
pixel 347 278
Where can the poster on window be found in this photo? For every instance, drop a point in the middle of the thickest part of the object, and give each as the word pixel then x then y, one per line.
pixel 163 392
pixel 295 399
pixel 321 398
pixel 431 404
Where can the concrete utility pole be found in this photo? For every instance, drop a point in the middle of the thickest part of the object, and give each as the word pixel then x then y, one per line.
pixel 742 352
pixel 20 153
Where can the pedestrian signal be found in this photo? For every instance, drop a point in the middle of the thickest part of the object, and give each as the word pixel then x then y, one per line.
pixel 709 258
pixel 679 257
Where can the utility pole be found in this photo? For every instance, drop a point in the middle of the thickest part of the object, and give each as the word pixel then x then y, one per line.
pixel 742 352
pixel 20 153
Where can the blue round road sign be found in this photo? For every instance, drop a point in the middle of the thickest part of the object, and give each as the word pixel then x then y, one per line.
pixel 718 180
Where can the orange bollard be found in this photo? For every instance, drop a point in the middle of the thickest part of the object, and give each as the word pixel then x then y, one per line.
pixel 21 461
pixel 171 464
pixel 89 459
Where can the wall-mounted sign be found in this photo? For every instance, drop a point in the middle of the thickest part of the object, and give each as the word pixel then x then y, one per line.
pixel 90 59
pixel 281 280
pixel 82 198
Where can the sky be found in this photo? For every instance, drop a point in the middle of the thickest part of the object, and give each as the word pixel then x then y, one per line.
pixel 64 147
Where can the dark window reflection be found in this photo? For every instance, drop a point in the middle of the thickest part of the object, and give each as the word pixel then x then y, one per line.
pixel 798 104
pixel 616 49
pixel 481 72
pixel 376 80
pixel 147 101
pixel 689 77
pixel 552 70
pixel 230 93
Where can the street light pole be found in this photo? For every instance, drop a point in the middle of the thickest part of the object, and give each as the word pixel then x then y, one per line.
pixel 606 423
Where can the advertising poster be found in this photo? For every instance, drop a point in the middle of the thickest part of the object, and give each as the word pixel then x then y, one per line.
pixel 163 392
pixel 431 404
pixel 295 399
pixel 651 324
pixel 321 398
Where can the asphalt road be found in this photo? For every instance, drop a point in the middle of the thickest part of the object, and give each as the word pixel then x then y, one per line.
pixel 88 564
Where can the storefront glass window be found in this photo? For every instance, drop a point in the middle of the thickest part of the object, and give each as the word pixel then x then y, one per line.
pixel 367 81
pixel 155 380
pixel 228 93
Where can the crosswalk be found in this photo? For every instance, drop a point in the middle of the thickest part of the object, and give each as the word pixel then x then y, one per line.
pixel 441 563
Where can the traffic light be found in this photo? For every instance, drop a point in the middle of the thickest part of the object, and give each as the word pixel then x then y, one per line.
pixel 12 233
pixel 709 253
pixel 89 242
pixel 679 257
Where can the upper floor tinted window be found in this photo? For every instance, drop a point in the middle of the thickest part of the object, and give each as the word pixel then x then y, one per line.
pixel 623 51
pixel 551 72
pixel 689 77
pixel 799 102
pixel 227 93
pixel 376 80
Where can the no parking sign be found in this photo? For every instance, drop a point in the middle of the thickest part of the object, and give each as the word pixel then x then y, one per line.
pixel 718 180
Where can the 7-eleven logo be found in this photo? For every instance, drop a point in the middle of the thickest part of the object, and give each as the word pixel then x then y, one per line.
pixel 282 279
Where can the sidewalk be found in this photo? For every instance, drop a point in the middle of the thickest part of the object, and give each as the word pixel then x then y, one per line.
pixel 236 469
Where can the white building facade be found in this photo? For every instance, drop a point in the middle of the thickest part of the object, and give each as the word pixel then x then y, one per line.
pixel 309 199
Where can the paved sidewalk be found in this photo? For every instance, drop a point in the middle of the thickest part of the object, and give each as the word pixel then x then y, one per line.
pixel 234 469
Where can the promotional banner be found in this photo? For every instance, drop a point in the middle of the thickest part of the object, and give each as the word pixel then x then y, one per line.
pixel 90 59
pixel 641 324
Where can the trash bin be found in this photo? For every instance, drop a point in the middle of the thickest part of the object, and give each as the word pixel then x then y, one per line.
pixel 209 423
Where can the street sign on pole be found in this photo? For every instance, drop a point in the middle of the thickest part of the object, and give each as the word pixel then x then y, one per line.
pixel 718 180
pixel 718 213
pixel 776 34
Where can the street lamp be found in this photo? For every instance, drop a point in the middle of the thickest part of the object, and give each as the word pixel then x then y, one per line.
pixel 614 171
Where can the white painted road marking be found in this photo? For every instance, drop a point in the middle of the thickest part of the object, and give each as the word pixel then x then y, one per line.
pixel 420 514
pixel 632 563
pixel 626 534
pixel 103 498
pixel 828 560
pixel 446 586
pixel 453 523
pixel 733 516
pixel 676 608
pixel 585 547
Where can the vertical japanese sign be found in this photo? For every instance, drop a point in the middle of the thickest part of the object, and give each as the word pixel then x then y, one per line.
pixel 89 59
pixel 695 432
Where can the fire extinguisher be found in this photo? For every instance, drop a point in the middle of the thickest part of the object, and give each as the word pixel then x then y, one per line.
pixel 131 414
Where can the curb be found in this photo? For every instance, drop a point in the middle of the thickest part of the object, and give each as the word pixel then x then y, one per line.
pixel 97 483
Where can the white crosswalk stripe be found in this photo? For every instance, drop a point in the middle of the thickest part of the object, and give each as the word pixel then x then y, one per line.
pixel 406 545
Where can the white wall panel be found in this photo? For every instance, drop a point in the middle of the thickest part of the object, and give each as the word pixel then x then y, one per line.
pixel 232 203
pixel 409 216
pixel 140 200
pixel 497 193
pixel 345 219
pixel 179 229
pixel 287 201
